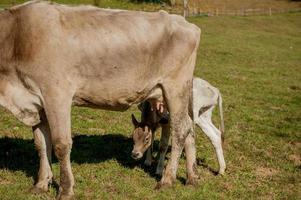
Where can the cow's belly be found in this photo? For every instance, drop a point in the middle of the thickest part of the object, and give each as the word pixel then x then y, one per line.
pixel 117 103
pixel 118 97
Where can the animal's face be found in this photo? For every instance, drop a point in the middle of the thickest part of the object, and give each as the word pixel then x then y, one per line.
pixel 142 136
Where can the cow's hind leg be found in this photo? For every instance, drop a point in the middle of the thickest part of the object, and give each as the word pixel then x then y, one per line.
pixel 58 112
pixel 42 142
pixel 163 148
pixel 180 125
pixel 179 132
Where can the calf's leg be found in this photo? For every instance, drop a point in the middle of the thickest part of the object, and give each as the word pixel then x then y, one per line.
pixel 149 153
pixel 148 159
pixel 163 148
pixel 212 132
pixel 218 145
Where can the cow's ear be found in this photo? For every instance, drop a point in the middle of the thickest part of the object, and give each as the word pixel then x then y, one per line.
pixel 134 121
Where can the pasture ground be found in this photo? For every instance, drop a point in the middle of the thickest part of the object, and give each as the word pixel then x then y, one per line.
pixel 255 62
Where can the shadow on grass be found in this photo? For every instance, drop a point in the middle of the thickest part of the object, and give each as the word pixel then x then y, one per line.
pixel 202 162
pixel 19 154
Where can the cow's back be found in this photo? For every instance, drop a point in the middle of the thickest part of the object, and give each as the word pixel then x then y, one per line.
pixel 87 31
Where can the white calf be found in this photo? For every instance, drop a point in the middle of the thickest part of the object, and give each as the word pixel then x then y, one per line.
pixel 205 98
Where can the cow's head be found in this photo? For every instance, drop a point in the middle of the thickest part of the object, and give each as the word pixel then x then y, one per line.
pixel 142 136
pixel 19 100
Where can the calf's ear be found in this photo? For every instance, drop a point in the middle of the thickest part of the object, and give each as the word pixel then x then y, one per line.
pixel 134 121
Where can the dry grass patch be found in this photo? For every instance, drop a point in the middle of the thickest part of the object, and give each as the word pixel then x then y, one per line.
pixel 264 172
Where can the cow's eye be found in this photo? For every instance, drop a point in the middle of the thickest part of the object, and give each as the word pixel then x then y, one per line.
pixel 146 140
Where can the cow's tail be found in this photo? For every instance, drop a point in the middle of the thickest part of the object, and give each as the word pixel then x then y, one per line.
pixel 222 126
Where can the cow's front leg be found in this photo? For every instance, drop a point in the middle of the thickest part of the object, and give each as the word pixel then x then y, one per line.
pixel 62 148
pixel 163 148
pixel 58 111
pixel 190 153
pixel 42 142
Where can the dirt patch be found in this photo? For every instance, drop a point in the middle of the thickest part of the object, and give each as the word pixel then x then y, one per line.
pixel 297 144
pixel 110 188
pixel 228 186
pixel 265 172
pixel 269 196
pixel 4 181
pixel 97 130
pixel 296 159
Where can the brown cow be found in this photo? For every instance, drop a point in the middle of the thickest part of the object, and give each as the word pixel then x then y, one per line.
pixel 54 56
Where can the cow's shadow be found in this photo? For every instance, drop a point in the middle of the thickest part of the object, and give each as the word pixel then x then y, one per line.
pixel 20 155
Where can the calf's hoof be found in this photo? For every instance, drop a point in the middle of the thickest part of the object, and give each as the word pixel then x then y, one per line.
pixel 159 173
pixel 222 171
pixel 159 170
pixel 148 163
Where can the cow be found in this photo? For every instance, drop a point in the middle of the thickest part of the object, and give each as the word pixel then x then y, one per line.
pixel 205 98
pixel 54 56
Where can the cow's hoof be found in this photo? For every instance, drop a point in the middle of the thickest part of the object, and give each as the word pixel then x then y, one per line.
pixel 161 186
pixel 66 197
pixel 38 190
pixel 164 184
pixel 192 181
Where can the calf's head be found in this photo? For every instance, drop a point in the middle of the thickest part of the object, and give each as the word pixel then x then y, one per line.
pixel 142 136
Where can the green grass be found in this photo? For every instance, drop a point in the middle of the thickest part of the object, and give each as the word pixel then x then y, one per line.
pixel 255 62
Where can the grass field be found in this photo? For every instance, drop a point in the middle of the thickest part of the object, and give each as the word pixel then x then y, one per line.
pixel 244 4
pixel 255 62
